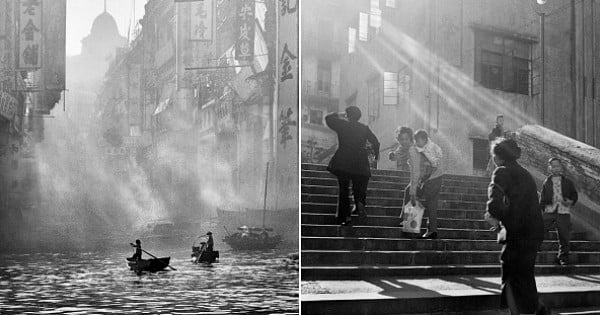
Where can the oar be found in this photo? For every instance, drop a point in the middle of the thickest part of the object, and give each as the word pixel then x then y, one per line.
pixel 157 259
pixel 200 255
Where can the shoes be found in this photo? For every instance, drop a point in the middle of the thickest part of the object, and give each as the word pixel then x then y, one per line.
pixel 561 261
pixel 362 211
pixel 543 310
pixel 429 235
pixel 346 223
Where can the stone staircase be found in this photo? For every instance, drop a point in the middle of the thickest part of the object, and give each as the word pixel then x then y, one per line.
pixel 376 248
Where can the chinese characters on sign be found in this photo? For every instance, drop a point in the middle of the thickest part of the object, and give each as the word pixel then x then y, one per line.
pixel 201 27
pixel 244 46
pixel 288 6
pixel 287 72
pixel 286 63
pixel 30 34
pixel 286 120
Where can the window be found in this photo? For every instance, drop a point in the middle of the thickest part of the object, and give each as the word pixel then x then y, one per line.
pixel 316 117
pixel 502 62
pixel 351 40
pixel 390 88
pixel 324 76
pixel 374 97
pixel 481 155
pixel 363 27
pixel 375 15
pixel 390 3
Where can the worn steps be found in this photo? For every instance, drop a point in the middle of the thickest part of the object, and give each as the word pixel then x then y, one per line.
pixel 375 247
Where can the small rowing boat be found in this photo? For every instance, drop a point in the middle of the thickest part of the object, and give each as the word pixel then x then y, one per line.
pixel 150 265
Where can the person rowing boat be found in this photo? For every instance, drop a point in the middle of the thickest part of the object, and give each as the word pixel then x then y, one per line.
pixel 138 250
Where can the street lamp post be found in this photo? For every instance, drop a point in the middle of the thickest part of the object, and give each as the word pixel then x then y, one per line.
pixel 543 61
pixel 542 19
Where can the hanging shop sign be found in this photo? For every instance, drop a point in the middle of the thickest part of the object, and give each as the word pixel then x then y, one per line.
pixel 244 31
pixel 201 18
pixel 30 34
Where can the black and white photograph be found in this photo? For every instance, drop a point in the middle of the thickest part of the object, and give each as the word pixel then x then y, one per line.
pixel 149 157
pixel 450 158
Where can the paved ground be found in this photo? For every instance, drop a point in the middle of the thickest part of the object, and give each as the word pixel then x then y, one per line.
pixel 390 288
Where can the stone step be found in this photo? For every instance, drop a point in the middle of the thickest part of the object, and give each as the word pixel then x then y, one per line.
pixel 329 208
pixel 333 199
pixel 456 187
pixel 396 232
pixel 391 193
pixel 392 221
pixel 375 177
pixel 397 202
pixel 391 244
pixel 337 272
pixel 323 168
pixel 420 257
pixel 402 180
pixel 440 295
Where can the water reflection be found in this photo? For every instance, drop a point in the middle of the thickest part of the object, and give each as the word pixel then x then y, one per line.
pixel 94 282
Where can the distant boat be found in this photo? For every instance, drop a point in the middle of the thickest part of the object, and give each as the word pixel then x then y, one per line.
pixel 149 265
pixel 252 238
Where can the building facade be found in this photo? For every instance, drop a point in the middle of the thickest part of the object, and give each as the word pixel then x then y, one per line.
pixel 451 67
pixel 203 121
pixel 32 73
pixel 322 52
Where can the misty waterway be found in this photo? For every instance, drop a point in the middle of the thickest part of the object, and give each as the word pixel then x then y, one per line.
pixel 101 283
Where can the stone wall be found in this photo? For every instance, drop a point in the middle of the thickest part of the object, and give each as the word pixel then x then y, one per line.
pixel 582 166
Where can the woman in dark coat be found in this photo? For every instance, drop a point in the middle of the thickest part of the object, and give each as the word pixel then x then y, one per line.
pixel 513 201
pixel 350 163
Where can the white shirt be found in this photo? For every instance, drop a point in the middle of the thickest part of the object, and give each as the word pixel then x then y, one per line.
pixel 557 198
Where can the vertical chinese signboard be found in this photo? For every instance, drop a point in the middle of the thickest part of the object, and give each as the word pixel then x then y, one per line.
pixel 54 44
pixel 244 46
pixel 201 21
pixel 287 102
pixel 30 34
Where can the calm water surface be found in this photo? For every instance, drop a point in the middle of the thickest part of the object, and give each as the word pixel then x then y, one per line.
pixel 101 283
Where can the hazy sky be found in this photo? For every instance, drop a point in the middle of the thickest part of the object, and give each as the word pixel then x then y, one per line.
pixel 81 15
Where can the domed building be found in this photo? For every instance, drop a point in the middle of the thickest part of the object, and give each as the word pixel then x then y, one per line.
pixel 86 71
pixel 103 39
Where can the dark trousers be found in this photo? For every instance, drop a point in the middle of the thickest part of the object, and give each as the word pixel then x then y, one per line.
pixel 431 192
pixel 562 224
pixel 518 266
pixel 359 190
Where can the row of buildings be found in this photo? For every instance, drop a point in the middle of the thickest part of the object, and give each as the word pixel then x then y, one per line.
pixel 32 80
pixel 449 67
pixel 193 102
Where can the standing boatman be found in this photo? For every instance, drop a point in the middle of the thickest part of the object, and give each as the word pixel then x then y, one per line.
pixel 210 243
pixel 138 250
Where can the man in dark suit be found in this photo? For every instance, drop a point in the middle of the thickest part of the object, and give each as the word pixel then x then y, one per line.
pixel 350 163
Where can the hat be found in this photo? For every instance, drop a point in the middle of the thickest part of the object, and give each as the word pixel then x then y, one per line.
pixel 209 233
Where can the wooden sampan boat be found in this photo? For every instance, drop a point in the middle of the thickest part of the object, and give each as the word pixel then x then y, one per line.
pixel 150 265
pixel 207 257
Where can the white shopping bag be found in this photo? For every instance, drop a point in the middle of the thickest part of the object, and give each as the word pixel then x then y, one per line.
pixel 412 217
